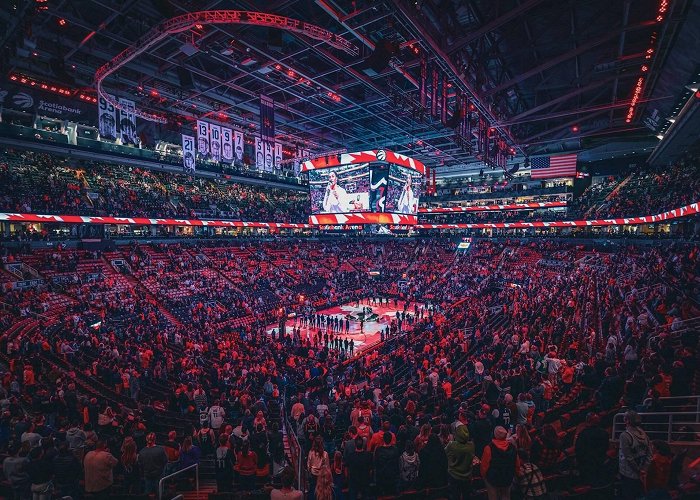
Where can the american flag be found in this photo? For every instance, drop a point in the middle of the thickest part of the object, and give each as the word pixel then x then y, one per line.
pixel 550 167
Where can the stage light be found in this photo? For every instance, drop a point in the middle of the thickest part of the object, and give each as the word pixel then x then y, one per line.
pixel 62 22
pixel 575 128
pixel 154 93
pixel 697 94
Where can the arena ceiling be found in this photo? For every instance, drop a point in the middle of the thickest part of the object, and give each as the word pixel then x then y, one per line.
pixel 550 75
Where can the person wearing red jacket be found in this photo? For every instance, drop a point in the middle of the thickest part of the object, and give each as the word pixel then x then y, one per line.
pixel 498 465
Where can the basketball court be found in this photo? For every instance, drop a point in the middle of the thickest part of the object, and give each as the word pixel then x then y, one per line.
pixel 364 336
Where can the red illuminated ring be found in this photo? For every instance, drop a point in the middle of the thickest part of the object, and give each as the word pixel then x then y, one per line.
pixel 188 21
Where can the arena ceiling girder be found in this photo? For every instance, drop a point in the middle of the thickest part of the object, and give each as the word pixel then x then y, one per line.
pixel 525 60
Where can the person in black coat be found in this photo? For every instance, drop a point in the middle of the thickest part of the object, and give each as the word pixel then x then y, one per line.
pixel 591 451
pixel 67 471
pixel 432 472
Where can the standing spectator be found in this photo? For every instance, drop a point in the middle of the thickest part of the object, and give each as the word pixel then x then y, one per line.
pixel 530 479
pixel 225 460
pixel 409 465
pixel 216 416
pixel 287 491
pixel 635 456
pixel 40 469
pixel 338 471
pixel 15 469
pixel 460 455
pixel 153 460
pixel 66 471
pixel 129 467
pixel 433 464
pixel 547 449
pixel 359 470
pixel 99 465
pixel 316 461
pixel 189 453
pixel 498 465
pixel 386 465
pixel 659 473
pixel 324 485
pixel 172 450
pixel 246 466
pixel 591 451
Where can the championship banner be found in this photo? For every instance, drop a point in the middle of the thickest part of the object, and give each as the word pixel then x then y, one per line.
pixel 203 138
pixel 269 152
pixel 106 119
pixel 296 165
pixel 127 121
pixel 259 154
pixel 188 154
pixel 226 145
pixel 215 142
pixel 238 144
pixel 278 155
pixel 267 119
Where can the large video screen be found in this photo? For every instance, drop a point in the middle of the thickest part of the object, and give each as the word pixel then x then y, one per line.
pixel 341 189
pixel 404 189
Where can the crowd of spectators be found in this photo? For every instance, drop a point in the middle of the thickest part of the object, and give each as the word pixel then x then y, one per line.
pixel 652 191
pixel 43 183
pixel 116 375
pixel 35 182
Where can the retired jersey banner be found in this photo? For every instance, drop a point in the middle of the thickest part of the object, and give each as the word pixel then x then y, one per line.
pixel 259 154
pixel 127 121
pixel 215 142
pixel 238 145
pixel 267 119
pixel 107 119
pixel 269 152
pixel 188 154
pixel 203 138
pixel 278 155
pixel 226 145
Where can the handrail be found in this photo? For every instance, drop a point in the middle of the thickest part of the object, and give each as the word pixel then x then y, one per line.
pixel 176 473
pixel 292 440
pixel 670 429
pixel 671 399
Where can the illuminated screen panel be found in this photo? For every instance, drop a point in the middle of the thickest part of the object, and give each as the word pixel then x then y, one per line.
pixel 404 189
pixel 340 190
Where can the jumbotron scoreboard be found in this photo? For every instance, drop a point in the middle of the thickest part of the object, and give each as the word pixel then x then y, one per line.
pixel 367 187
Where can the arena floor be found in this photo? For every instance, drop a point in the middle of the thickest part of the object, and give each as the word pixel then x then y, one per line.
pixel 370 333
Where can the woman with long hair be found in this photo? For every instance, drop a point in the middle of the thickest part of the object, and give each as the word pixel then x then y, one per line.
pixel 422 438
pixel 246 466
pixel 129 466
pixel 316 462
pixel 521 439
pixel 338 471
pixel 324 485
pixel 547 449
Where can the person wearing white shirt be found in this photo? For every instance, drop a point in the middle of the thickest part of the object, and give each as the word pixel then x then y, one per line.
pixel 335 198
pixel 407 201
